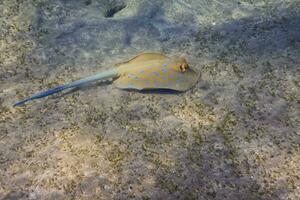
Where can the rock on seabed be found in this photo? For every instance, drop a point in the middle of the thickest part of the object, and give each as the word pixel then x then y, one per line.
pixel 235 135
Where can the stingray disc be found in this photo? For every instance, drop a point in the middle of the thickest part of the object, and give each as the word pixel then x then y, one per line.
pixel 157 74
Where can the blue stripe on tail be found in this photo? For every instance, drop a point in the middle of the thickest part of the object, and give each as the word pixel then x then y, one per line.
pixel 103 75
pixel 41 95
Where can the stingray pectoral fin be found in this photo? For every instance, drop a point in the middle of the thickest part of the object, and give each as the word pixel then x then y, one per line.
pixel 159 80
pixel 174 80
pixel 144 57
pixel 78 83
pixel 122 83
pixel 186 80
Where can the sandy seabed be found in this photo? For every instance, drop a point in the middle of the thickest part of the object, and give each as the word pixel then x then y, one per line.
pixel 235 135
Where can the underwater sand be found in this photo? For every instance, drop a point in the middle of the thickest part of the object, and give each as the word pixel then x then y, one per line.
pixel 235 135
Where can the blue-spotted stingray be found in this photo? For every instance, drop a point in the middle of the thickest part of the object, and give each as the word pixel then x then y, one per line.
pixel 144 71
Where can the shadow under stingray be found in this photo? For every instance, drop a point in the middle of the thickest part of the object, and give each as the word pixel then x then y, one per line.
pixel 102 84
pixel 92 86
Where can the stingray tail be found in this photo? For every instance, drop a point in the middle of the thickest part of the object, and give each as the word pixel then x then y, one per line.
pixel 78 83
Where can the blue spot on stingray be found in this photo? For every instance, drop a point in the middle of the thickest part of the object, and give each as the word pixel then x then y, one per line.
pixel 142 71
pixel 164 70
pixel 165 65
pixel 132 76
pixel 130 85
pixel 178 81
pixel 156 73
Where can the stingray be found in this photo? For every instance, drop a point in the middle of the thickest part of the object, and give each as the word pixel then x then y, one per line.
pixel 146 71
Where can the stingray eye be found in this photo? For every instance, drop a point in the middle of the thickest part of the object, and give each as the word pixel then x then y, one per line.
pixel 183 67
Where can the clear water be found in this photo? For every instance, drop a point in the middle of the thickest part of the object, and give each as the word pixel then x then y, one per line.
pixel 235 135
